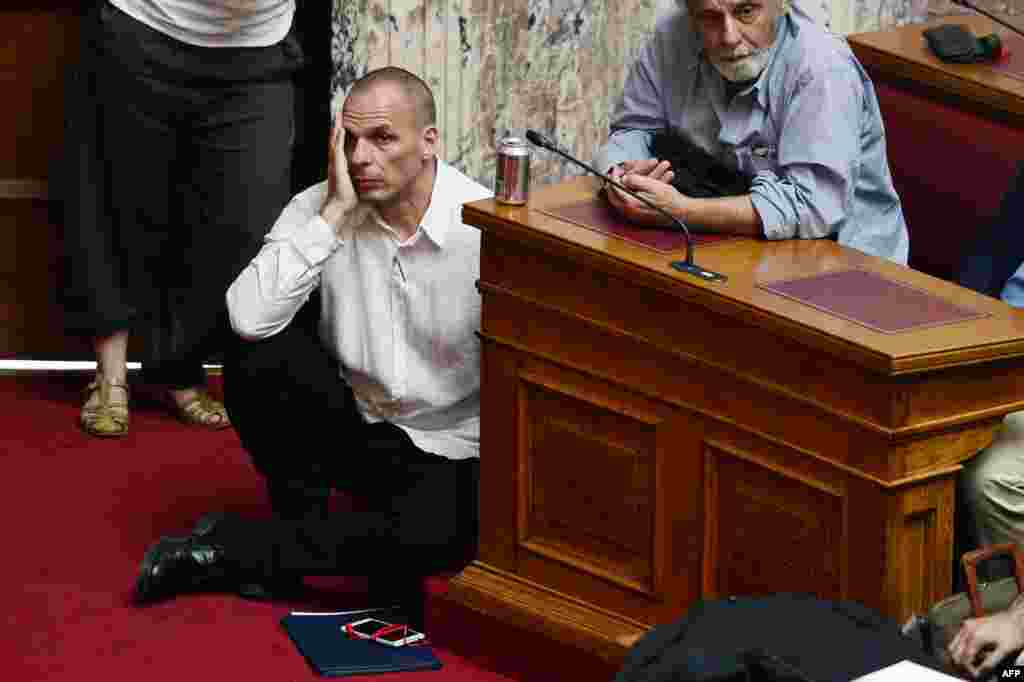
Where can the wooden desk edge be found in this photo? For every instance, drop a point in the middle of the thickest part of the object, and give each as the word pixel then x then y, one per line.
pixel 697 290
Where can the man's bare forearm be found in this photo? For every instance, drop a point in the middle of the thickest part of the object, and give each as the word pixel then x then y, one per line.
pixel 731 215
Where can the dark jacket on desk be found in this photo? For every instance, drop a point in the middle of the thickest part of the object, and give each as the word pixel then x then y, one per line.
pixel 697 173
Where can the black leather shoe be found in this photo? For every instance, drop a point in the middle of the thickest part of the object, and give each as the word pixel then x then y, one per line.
pixel 176 565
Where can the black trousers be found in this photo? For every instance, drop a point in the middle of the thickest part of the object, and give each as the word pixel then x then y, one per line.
pixel 178 162
pixel 300 424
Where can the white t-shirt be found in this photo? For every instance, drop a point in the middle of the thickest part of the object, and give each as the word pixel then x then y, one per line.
pixel 215 23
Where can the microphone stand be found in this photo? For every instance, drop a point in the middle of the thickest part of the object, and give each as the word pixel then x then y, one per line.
pixel 687 265
pixel 970 5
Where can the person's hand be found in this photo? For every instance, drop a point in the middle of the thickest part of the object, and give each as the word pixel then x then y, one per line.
pixel 652 183
pixel 341 195
pixel 652 168
pixel 982 643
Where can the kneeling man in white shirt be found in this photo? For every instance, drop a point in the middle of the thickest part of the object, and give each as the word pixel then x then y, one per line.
pixel 358 368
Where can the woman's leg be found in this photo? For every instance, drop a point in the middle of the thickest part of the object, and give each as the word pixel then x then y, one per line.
pixel 95 301
pixel 105 412
pixel 235 182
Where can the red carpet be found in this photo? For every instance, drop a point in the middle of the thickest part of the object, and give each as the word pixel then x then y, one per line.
pixel 78 514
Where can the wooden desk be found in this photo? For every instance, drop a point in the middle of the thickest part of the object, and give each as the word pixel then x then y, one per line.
pixel 649 439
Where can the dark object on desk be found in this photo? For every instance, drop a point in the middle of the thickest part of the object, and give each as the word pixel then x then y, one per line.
pixel 331 653
pixel 697 173
pixel 778 638
pixel 955 44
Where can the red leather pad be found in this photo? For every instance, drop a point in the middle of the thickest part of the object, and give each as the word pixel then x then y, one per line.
pixel 596 214
pixel 871 300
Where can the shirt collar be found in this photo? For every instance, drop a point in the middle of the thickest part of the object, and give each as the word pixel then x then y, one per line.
pixel 437 219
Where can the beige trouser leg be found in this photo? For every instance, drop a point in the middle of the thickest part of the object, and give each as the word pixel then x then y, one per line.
pixel 993 487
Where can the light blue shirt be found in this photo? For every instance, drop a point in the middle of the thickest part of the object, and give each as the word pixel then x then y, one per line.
pixel 1013 290
pixel 808 131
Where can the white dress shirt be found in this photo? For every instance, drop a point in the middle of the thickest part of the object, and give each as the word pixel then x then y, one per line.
pixel 400 317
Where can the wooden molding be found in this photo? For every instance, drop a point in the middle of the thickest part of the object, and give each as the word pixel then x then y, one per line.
pixel 524 603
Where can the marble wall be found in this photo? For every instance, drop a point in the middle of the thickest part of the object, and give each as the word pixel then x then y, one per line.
pixel 499 66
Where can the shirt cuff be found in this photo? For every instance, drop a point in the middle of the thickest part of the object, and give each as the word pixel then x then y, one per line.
pixel 773 220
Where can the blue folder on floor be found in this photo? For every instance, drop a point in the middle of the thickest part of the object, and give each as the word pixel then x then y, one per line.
pixel 332 653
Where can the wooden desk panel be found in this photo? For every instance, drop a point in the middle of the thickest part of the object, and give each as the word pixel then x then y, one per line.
pixel 649 439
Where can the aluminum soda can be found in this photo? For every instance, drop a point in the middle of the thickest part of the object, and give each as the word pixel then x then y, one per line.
pixel 512 171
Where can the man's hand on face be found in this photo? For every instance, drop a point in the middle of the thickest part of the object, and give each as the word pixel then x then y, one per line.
pixel 341 195
pixel 651 179
pixel 981 643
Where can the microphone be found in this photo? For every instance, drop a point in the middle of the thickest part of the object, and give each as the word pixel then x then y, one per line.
pixel 687 266
pixel 998 47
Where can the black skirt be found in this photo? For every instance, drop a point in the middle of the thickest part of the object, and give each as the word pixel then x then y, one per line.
pixel 177 161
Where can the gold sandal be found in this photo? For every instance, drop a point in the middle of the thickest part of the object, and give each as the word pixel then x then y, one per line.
pixel 105 416
pixel 202 411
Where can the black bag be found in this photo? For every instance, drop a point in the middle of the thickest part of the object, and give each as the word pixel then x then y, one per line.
pixel 697 173
pixel 779 638
pixel 953 43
